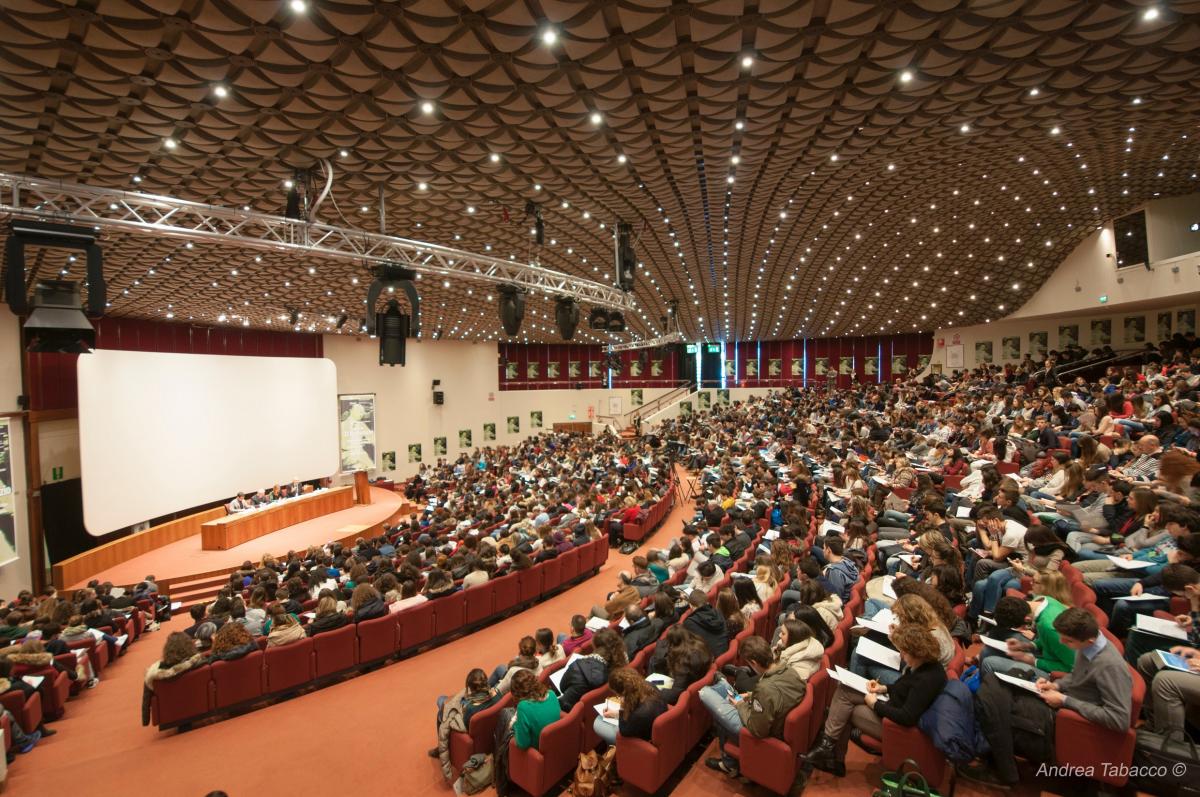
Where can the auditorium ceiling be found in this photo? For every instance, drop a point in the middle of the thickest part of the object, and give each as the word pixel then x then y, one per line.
pixel 790 168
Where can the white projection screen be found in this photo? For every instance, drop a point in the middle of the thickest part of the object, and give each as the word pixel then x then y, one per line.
pixel 161 433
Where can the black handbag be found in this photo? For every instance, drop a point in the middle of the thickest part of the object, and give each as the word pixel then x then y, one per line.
pixel 1166 764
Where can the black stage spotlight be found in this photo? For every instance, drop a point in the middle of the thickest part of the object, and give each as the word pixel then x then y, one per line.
pixel 598 319
pixel 616 322
pixel 512 308
pixel 392 326
pixel 566 315
pixel 293 317
pixel 342 319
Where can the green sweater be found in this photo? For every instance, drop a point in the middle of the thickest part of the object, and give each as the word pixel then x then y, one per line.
pixel 1052 655
pixel 532 717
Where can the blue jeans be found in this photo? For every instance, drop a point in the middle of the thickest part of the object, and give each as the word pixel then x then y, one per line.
pixel 497 675
pixel 897 565
pixel 441 701
pixel 1136 426
pixel 1006 665
pixel 985 593
pixel 874 606
pixel 725 715
pixel 1124 613
pixel 605 730
pixel 1108 590
pixel 890 517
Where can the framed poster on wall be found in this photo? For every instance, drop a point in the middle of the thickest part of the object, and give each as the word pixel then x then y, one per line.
pixel 614 405
pixel 954 356
pixel 8 505
pixel 356 414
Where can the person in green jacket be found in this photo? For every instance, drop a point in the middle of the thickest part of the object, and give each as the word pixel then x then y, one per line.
pixel 1046 652
pixel 537 707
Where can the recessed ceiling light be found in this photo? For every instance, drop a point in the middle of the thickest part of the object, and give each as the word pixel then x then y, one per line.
pixel 747 62
pixel 964 128
pixel 549 36
pixel 220 91
pixel 739 124
pixel 1054 131
pixel 596 117
pixel 621 158
pixel 345 153
pixel 170 143
pixel 422 186
pixel 906 76
pixel 1137 100
pixel 1033 92
pixel 426 107
pixel 494 157
pixel 299 6
pixel 470 208
pixel 1150 14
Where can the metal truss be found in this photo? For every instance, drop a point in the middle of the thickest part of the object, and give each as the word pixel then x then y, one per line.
pixel 23 196
pixel 670 337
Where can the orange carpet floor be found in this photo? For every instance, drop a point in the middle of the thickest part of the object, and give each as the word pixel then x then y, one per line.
pixel 366 735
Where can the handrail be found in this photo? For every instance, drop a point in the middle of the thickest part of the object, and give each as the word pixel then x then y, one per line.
pixel 1075 367
pixel 655 404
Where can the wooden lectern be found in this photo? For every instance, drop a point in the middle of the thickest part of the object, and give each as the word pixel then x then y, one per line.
pixel 362 488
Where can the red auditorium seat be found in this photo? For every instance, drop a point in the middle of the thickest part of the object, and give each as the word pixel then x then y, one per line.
pixel 479 737
pixel 182 698
pixel 289 666
pixel 1080 743
pixel 55 689
pixel 599 553
pixel 771 763
pixel 507 593
pixel 237 681
pixel 479 603
pixel 6 725
pixel 588 738
pixel 416 625
pixel 570 565
pixel 335 651
pixel 378 639
pixel 552 574
pixel 27 711
pixel 448 613
pixel 97 654
pixel 647 765
pixel 699 719
pixel 531 584
pixel 544 675
pixel 537 771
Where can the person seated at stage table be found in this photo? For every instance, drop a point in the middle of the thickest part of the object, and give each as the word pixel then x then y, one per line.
pixel 239 504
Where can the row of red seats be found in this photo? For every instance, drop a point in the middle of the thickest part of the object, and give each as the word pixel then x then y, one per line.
pixel 637 531
pixel 49 702
pixel 223 686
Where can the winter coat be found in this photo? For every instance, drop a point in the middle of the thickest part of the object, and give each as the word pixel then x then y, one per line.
pixel 803 657
pixel 581 677
pixel 370 610
pixel 643 633
pixel 239 652
pixel 830 610
pixel 708 624
pixel 157 673
pixel 840 577
pixel 950 723
pixel 325 622
pixel 765 711
pixel 456 716
pixel 285 635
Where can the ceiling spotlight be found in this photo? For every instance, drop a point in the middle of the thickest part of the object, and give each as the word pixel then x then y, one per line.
pixel 426 107
pixel 747 62
pixel 470 208
pixel 566 316
pixel 739 124
pixel 1054 131
pixel 616 322
pixel 1137 100
pixel 512 308
pixel 170 143
pixel 345 153
pixel 220 91
pixel 1150 14
pixel 137 178
pixel 1033 92
pixel 735 160
pixel 422 186
pixel 621 158
pixel 549 36
pixel 598 319
pixel 494 157
pixel 964 128
pixel 906 76
pixel 299 6
pixel 596 117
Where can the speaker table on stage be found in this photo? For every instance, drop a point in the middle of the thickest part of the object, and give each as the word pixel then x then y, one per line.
pixel 362 487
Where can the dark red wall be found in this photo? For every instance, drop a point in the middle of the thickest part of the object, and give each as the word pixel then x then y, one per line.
pixel 51 377
pixel 886 347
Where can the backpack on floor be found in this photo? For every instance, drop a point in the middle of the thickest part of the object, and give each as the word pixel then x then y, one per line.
pixel 476 774
pixel 594 774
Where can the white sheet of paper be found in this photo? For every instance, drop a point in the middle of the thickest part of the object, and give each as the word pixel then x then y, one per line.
pixel 176 605
pixel 994 643
pixel 881 622
pixel 829 525
pixel 888 588
pixel 962 511
pixel 33 680
pixel 910 559
pixel 597 623
pixel 1143 597
pixel 600 711
pixel 1157 625
pixel 771 534
pixel 877 652
pixel 986 619
pixel 851 679
pixel 1129 564
pixel 1028 686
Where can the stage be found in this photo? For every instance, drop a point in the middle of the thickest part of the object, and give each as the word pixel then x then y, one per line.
pixel 183 564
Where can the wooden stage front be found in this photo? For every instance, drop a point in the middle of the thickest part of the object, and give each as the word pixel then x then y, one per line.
pixel 233 530
pixel 172 552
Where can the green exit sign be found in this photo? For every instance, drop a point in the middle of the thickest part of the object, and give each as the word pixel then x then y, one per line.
pixel 691 348
pixel 713 348
pixel 1104 299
